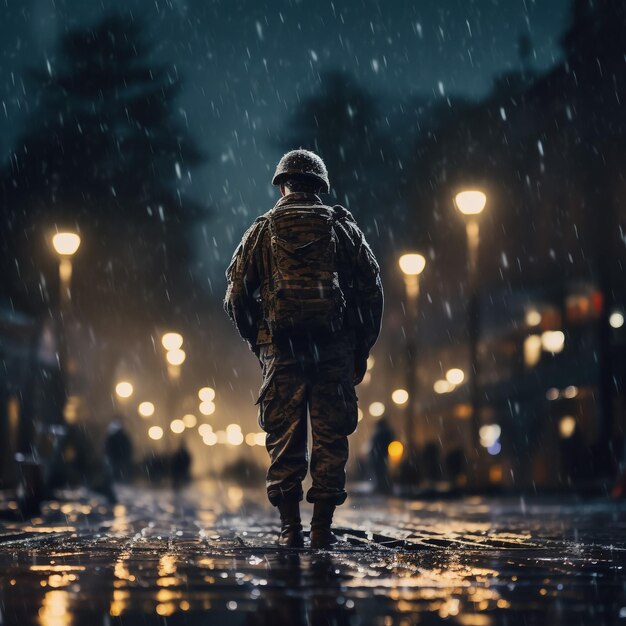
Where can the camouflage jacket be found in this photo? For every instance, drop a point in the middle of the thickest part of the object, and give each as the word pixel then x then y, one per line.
pixel 358 272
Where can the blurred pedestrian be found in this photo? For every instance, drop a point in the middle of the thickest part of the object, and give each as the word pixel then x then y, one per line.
pixel 181 465
pixel 304 290
pixel 118 449
pixel 379 455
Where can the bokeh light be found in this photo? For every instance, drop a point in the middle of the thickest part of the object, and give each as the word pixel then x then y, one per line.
pixel 155 433
pixel 176 357
pixel 172 341
pixel 190 420
pixel 124 389
pixel 177 426
pixel 206 394
pixel 455 376
pixel 207 408
pixel 400 396
pixel 616 319
pixel 395 450
pixel 146 409
pixel 376 409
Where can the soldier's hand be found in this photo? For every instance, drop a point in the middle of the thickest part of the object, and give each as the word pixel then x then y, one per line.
pixel 360 367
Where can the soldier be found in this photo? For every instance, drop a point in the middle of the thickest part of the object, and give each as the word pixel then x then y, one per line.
pixel 304 290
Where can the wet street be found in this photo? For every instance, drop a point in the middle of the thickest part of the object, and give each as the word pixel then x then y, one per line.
pixel 206 555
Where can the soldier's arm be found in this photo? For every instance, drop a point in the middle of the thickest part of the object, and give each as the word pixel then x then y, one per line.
pixel 366 286
pixel 369 294
pixel 244 280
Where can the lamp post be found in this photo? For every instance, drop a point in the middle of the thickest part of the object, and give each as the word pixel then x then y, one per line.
pixel 412 265
pixel 65 245
pixel 470 204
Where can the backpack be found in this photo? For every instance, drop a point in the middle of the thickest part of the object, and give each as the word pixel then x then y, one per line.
pixel 304 295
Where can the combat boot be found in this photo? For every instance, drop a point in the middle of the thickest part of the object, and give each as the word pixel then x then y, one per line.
pixel 321 535
pixel 291 535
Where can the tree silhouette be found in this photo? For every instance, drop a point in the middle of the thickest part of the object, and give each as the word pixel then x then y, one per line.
pixel 102 152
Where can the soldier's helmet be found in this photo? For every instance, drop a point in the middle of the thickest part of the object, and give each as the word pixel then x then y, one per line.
pixel 302 163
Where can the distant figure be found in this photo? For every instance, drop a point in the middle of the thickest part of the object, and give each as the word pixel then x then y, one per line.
pixel 379 455
pixel 304 290
pixel 181 466
pixel 118 449
pixel 431 460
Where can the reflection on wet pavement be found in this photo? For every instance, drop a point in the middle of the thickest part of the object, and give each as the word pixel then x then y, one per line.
pixel 208 556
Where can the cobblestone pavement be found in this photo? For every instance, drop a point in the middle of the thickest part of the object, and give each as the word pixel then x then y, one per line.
pixel 206 555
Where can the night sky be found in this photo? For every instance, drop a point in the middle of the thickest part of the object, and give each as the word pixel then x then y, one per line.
pixel 246 63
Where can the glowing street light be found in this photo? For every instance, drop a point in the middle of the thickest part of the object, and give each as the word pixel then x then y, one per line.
pixel 146 409
pixel 400 396
pixel 124 389
pixel 470 202
pixel 455 376
pixel 616 319
pixel 176 357
pixel 533 317
pixel 206 394
pixel 412 264
pixel 234 436
pixel 177 426
pixel 395 450
pixel 66 244
pixel 172 341
pixel 207 407
pixel 376 409
pixel 443 386
pixel 155 433
pixel 210 439
pixel 567 426
pixel 190 420
pixel 553 341
pixel 204 429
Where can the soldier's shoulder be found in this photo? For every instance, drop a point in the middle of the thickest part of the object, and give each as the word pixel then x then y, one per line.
pixel 342 214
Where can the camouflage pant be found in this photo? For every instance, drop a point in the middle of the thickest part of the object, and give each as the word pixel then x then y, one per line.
pixel 317 378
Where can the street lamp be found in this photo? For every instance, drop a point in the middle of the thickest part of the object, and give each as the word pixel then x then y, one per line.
pixel 65 244
pixel 411 265
pixel 172 341
pixel 124 389
pixel 470 204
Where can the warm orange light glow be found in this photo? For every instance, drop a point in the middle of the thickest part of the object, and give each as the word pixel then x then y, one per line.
pixel 207 408
pixel 470 202
pixel 412 264
pixel 206 394
pixel 376 409
pixel 395 450
pixel 172 341
pixel 155 433
pixel 146 409
pixel 455 376
pixel 177 426
pixel 66 244
pixel 124 389
pixel 400 396
pixel 176 357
